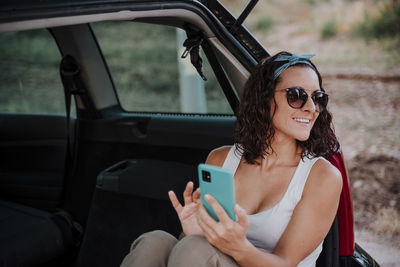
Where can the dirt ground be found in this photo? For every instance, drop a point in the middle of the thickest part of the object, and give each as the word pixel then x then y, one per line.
pixel 375 186
pixel 384 252
pixel 365 111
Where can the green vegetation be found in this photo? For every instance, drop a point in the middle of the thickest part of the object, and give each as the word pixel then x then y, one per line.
pixel 264 23
pixel 384 25
pixel 139 55
pixel 329 29
pixel 29 78
pixel 142 59
pixel 144 65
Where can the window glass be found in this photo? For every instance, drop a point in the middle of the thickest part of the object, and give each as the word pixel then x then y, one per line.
pixel 29 77
pixel 148 73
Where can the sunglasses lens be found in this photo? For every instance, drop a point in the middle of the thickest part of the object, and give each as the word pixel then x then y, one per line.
pixel 320 99
pixel 296 97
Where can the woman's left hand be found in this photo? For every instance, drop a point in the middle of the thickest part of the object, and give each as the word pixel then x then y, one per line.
pixel 226 235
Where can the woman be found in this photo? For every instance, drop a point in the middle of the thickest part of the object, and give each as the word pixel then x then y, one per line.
pixel 286 193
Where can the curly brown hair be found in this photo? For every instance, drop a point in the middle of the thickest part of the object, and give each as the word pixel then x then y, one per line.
pixel 254 130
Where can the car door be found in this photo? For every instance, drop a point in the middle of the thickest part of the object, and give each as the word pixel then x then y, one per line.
pixel 147 117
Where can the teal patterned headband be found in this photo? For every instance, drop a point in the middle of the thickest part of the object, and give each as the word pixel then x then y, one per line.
pixel 292 60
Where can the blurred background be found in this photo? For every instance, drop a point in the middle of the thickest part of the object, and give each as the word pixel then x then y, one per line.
pixel 357 46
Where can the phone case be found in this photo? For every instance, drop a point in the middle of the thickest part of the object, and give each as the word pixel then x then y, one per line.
pixel 220 186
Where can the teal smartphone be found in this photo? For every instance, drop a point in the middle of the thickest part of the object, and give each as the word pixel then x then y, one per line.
pixel 217 182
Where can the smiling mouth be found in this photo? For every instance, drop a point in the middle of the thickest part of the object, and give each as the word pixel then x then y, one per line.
pixel 301 120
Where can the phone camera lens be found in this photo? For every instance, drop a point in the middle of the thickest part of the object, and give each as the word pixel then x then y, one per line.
pixel 206 176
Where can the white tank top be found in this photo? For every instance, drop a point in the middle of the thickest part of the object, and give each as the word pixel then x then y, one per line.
pixel 266 227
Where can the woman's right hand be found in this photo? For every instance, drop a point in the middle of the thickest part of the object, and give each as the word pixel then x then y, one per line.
pixel 187 213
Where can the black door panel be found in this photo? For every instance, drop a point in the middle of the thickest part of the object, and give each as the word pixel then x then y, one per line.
pixel 32 158
pixel 101 143
pixel 171 139
pixel 189 131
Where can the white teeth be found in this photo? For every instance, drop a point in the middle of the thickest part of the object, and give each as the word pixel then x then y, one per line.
pixel 301 120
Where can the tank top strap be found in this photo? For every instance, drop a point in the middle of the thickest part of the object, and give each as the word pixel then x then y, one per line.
pixel 301 175
pixel 232 160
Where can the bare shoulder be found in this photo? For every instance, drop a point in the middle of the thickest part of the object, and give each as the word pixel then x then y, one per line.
pixel 324 177
pixel 217 156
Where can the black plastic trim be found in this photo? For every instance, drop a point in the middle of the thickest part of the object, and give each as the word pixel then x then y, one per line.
pixel 160 130
pixel 362 258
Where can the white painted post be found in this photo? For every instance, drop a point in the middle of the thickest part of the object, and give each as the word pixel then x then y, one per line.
pixel 191 86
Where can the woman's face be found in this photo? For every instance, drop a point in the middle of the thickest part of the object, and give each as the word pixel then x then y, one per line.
pixel 288 121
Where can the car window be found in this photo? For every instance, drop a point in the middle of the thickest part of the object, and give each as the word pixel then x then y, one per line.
pixel 29 77
pixel 148 73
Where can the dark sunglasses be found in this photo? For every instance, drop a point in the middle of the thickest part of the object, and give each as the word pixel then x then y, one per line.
pixel 297 97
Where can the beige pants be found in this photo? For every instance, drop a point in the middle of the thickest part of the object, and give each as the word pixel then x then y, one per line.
pixel 160 249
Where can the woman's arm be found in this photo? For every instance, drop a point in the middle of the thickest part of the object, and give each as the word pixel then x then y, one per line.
pixel 313 215
pixel 310 222
pixel 230 236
